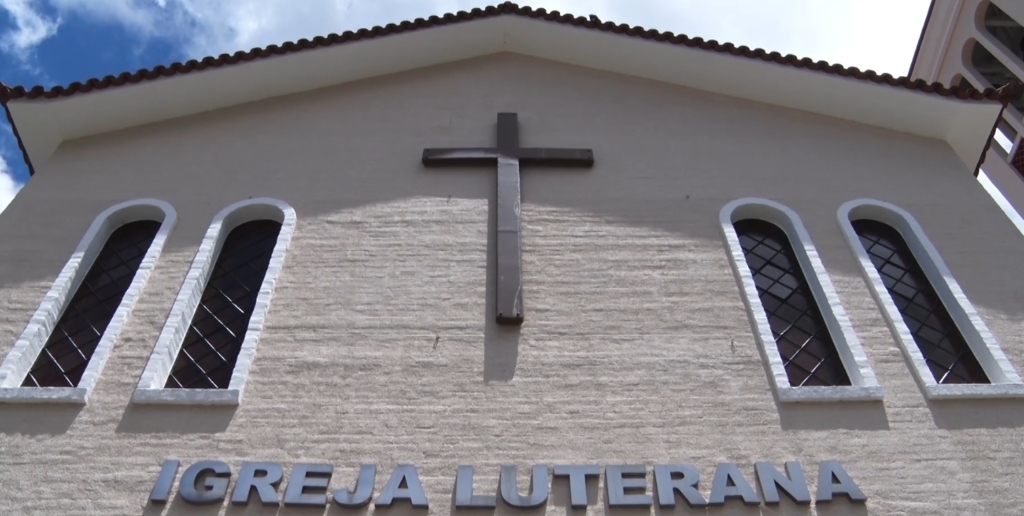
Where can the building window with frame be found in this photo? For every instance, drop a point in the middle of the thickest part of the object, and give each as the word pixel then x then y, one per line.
pixel 208 354
pixel 74 338
pixel 60 355
pixel 206 348
pixel 800 326
pixel 950 349
pixel 808 352
pixel 943 347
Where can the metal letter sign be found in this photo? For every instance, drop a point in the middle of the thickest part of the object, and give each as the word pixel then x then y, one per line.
pixel 508 156
pixel 206 482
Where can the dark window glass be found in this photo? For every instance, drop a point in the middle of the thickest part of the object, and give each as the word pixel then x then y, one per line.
pixel 946 352
pixel 803 340
pixel 208 354
pixel 80 327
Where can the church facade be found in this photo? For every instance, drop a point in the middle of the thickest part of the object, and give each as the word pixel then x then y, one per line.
pixel 508 261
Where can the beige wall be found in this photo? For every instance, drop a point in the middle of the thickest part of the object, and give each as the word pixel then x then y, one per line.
pixel 380 346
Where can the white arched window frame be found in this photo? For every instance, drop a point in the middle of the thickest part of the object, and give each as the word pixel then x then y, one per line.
pixel 32 341
pixel 863 384
pixel 154 377
pixel 1005 381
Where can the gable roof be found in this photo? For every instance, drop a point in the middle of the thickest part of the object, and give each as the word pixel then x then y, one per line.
pixel 43 118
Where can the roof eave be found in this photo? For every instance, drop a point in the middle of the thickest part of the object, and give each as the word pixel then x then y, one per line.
pixel 881 101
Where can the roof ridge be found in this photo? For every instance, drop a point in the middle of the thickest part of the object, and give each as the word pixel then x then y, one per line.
pixel 591 22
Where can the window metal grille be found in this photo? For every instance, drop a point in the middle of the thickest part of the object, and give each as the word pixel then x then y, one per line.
pixel 808 352
pixel 1018 159
pixel 943 346
pixel 74 338
pixel 208 354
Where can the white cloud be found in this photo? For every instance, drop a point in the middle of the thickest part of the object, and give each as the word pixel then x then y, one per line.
pixel 8 187
pixel 31 28
pixel 141 16
pixel 870 34
pixel 231 25
pixel 876 34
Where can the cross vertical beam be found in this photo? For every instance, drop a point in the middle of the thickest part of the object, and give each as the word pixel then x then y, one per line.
pixel 508 156
pixel 509 306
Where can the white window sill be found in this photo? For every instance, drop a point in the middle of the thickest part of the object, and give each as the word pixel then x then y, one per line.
pixel 829 394
pixel 187 396
pixel 69 395
pixel 974 391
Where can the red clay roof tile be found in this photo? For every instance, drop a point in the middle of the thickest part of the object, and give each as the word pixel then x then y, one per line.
pixel 507 8
pixel 8 93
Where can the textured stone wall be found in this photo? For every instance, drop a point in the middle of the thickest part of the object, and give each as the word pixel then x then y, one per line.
pixel 379 346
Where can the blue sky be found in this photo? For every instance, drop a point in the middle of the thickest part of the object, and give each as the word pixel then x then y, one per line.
pixel 52 42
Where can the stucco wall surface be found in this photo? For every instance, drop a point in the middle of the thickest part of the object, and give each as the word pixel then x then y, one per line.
pixel 380 344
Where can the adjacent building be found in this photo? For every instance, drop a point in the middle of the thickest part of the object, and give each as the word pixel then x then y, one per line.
pixel 508 261
pixel 980 44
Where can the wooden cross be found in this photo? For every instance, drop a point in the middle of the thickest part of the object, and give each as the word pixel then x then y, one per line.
pixel 508 156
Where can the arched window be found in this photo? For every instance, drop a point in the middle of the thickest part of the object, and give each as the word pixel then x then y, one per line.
pixel 952 352
pixel 808 352
pixel 62 351
pixel 205 350
pixel 801 328
pixel 208 354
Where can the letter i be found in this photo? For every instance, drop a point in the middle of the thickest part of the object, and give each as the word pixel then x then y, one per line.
pixel 162 488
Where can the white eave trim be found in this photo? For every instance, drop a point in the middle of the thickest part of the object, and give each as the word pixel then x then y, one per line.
pixel 1005 381
pixel 44 124
pixel 863 384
